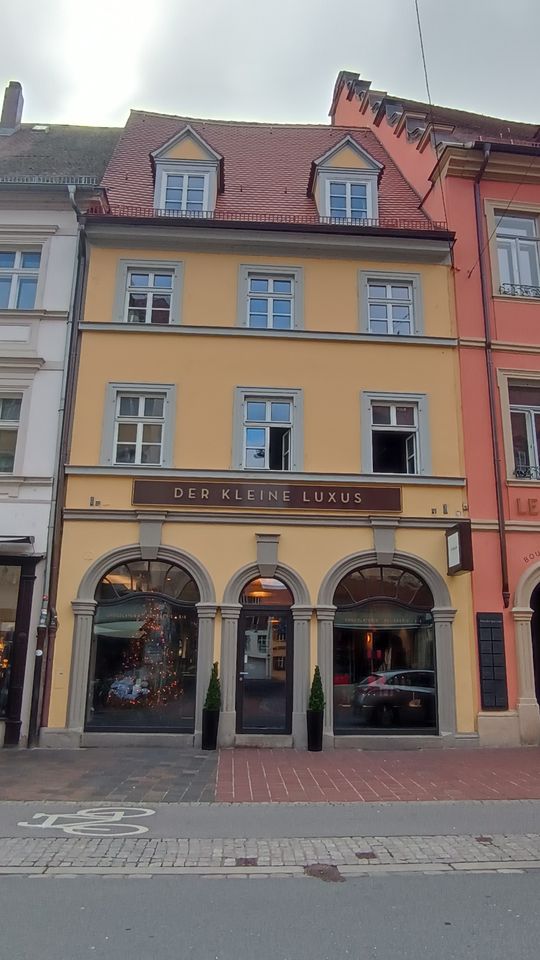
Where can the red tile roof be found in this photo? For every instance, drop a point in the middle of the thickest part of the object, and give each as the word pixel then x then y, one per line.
pixel 266 166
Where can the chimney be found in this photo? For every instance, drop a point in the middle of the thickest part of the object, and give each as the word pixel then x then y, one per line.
pixel 10 120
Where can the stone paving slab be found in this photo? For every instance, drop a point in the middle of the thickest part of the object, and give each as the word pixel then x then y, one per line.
pixel 115 774
pixel 360 854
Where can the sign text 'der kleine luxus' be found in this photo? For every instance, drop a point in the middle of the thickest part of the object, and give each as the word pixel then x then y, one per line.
pixel 252 494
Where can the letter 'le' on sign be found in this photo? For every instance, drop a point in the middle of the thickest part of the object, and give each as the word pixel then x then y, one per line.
pixel 278 495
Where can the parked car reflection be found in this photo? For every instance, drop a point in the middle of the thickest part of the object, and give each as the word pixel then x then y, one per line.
pixel 396 698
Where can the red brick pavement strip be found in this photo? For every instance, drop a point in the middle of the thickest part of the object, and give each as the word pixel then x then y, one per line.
pixel 247 775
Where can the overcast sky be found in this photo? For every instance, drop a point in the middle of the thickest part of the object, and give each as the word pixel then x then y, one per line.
pixel 276 60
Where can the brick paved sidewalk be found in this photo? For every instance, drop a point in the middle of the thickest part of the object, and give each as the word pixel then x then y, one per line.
pixel 358 854
pixel 170 775
pixel 248 775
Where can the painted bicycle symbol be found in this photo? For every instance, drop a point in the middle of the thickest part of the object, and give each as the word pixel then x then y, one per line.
pixel 94 821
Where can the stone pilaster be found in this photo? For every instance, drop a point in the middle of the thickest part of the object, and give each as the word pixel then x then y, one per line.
pixel 229 638
pixel 205 653
pixel 80 660
pixel 325 657
pixel 527 704
pixel 446 679
pixel 301 673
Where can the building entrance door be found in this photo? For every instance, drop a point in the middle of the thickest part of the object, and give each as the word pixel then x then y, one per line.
pixel 535 631
pixel 264 675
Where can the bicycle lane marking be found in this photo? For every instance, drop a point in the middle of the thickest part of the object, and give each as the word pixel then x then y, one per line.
pixel 92 821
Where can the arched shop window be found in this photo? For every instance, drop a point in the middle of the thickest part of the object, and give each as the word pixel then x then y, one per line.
pixel 384 653
pixel 143 663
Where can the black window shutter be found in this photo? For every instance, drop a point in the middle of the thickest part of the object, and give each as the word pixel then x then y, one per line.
pixel 492 661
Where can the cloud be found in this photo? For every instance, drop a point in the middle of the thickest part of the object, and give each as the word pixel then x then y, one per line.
pixel 262 60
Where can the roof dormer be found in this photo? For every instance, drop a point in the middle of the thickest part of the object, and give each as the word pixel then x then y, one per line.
pixel 188 174
pixel 344 182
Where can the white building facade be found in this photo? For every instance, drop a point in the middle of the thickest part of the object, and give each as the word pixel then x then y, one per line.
pixel 47 174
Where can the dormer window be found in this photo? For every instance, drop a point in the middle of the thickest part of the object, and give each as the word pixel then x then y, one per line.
pixel 344 183
pixel 188 175
pixel 185 191
pixel 347 200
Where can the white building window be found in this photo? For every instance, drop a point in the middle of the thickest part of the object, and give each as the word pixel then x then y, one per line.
pixel 348 200
pixel 270 302
pixel 19 272
pixel 268 429
pixel 390 307
pixel 267 433
pixel 149 296
pixel 10 415
pixel 395 434
pixel 394 437
pixel 518 253
pixel 185 192
pixel 525 418
pixel 270 297
pixel 139 426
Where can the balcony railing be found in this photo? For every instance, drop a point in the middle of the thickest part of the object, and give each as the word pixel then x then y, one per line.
pixel 519 290
pixel 527 473
pixel 117 210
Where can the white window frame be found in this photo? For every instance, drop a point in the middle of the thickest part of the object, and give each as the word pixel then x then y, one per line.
pixel 365 178
pixel 273 272
pixel 125 267
pixel 423 445
pixel 114 391
pixel 12 426
pixel 530 411
pixel 268 394
pixel 18 273
pixel 506 240
pixel 391 278
pixel 180 168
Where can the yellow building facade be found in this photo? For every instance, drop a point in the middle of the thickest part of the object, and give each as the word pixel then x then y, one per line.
pixel 265 459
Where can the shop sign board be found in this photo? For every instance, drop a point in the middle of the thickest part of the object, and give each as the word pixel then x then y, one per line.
pixel 280 495
pixel 459 554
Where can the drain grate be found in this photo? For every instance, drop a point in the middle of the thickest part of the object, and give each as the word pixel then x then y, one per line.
pixel 484 839
pixel 247 861
pixel 366 855
pixel 324 871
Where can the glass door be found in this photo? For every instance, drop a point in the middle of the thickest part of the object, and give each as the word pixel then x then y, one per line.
pixel 264 677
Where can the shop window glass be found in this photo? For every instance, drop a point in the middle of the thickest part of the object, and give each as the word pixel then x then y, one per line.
pixel 9 594
pixel 143 667
pixel 384 653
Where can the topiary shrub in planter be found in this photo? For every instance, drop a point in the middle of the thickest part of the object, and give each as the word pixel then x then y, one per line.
pixel 315 713
pixel 210 714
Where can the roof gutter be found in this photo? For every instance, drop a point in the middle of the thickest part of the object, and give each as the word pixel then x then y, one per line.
pixel 488 351
pixel 284 226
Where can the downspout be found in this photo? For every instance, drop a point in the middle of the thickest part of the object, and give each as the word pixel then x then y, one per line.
pixel 491 378
pixel 48 623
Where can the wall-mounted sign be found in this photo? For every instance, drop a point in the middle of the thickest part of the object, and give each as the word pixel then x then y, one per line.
pixel 459 548
pixel 280 495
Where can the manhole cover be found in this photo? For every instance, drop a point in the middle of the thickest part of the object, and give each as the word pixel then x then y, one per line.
pixel 484 839
pixel 324 871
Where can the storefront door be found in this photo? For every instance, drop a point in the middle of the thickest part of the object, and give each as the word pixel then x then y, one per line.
pixel 535 630
pixel 264 676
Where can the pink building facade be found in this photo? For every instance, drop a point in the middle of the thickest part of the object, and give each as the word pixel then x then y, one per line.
pixel 482 176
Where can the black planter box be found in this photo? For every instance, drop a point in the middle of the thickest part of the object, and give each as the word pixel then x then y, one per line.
pixel 210 722
pixel 315 729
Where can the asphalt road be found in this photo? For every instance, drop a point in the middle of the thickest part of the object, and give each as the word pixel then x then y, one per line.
pixel 483 916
